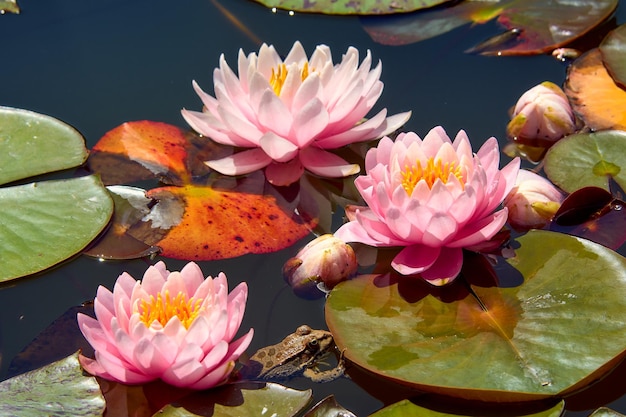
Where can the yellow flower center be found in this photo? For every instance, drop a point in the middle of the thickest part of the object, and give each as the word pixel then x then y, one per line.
pixel 277 80
pixel 162 309
pixel 434 170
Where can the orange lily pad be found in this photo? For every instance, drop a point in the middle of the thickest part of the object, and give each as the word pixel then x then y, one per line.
pixel 225 224
pixel 595 97
pixel 142 150
pixel 188 219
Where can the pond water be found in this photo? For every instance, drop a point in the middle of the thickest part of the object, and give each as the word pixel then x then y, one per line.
pixel 96 65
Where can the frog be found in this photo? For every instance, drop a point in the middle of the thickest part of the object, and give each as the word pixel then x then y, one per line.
pixel 298 354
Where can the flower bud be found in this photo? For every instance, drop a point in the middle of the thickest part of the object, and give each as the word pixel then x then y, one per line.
pixel 532 202
pixel 542 116
pixel 326 259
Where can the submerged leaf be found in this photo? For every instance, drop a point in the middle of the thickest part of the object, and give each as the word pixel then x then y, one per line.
pixel 124 238
pixel 241 399
pixel 46 222
pixel 594 95
pixel 352 6
pixel 60 339
pixel 33 144
pixel 496 344
pixel 544 25
pixel 224 224
pixel 58 389
pixel 588 160
pixel 328 407
pixel 594 214
pixel 531 27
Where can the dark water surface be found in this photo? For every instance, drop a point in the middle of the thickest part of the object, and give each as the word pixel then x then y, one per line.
pixel 98 64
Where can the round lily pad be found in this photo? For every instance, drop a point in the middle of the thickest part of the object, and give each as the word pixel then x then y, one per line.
pixel 44 223
pixel 362 7
pixel 613 49
pixel 588 160
pixel 33 144
pixel 554 334
pixel 594 95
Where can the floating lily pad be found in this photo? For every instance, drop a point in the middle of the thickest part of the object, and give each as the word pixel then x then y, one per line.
pixel 241 399
pixel 503 344
pixel 352 6
pixel 406 408
pixel 223 224
pixel 531 27
pixel 188 220
pixel 613 49
pixel 33 144
pixel 594 95
pixel 46 222
pixel 144 149
pixel 588 160
pixel 58 389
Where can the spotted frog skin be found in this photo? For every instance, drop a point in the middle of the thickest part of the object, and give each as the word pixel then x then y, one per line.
pixel 296 355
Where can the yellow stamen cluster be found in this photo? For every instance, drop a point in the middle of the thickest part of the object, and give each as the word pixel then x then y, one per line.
pixel 434 170
pixel 278 77
pixel 162 309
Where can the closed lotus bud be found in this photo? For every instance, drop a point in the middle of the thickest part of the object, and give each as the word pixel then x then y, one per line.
pixel 325 260
pixel 532 202
pixel 542 116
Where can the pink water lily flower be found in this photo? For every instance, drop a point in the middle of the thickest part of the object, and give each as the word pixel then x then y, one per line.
pixel 289 112
pixel 174 326
pixel 433 197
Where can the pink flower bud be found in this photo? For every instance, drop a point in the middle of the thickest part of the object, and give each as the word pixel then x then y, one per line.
pixel 326 259
pixel 542 116
pixel 532 202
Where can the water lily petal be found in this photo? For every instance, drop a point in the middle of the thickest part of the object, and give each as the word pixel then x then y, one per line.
pixel 480 231
pixel 278 148
pixel 284 174
pixel 326 164
pixel 312 104
pixel 432 197
pixel 164 348
pixel 241 163
pixel 415 259
pixel 446 268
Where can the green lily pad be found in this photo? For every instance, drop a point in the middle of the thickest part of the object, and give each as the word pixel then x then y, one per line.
pixel 33 144
pixel 58 389
pixel 241 399
pixel 554 334
pixel 588 160
pixel 613 49
pixel 44 223
pixel 406 408
pixel 363 7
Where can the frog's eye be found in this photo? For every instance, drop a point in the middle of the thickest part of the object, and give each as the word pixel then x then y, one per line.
pixel 313 344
